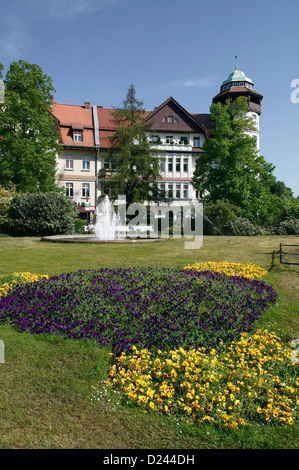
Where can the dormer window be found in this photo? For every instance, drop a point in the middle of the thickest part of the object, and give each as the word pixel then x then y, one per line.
pixel 77 136
pixel 170 119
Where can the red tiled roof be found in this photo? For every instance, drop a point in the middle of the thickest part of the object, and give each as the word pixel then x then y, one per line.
pixel 71 117
pixel 107 125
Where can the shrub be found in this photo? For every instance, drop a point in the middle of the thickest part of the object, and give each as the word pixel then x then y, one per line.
pixel 243 227
pixel 41 214
pixel 79 225
pixel 289 227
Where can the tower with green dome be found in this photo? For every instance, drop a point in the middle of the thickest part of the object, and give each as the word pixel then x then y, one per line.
pixel 238 84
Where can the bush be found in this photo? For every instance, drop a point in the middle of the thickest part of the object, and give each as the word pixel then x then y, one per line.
pixel 79 226
pixel 289 227
pixel 41 214
pixel 243 227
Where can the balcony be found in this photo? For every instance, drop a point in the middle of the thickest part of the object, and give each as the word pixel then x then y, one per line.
pixel 175 144
pixel 106 173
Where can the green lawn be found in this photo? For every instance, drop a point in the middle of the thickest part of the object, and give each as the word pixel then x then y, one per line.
pixel 46 383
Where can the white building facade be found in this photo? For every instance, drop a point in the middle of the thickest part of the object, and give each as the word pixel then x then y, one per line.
pixel 85 169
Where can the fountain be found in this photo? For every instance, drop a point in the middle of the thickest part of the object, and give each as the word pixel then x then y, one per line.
pixel 108 222
pixel 108 229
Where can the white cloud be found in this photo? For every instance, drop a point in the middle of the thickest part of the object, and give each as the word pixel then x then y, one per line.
pixel 201 83
pixel 14 39
pixel 68 9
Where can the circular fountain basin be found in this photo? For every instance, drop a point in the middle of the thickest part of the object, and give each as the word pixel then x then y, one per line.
pixel 93 239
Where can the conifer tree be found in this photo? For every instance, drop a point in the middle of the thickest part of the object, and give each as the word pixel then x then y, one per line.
pixel 136 165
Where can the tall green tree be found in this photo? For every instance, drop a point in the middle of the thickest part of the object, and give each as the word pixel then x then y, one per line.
pixel 29 137
pixel 231 169
pixel 137 166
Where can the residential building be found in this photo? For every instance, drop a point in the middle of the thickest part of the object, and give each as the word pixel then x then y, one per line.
pixel 85 169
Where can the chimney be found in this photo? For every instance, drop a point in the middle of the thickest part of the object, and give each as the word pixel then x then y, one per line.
pixel 87 104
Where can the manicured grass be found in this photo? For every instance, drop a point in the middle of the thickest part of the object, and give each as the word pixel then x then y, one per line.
pixel 47 397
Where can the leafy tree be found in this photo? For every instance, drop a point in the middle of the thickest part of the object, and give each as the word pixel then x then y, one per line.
pixel 137 167
pixel 217 217
pixel 40 214
pixel 231 169
pixel 29 137
pixel 6 196
pixel 280 189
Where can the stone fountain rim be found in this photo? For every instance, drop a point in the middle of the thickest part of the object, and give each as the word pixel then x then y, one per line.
pixel 92 239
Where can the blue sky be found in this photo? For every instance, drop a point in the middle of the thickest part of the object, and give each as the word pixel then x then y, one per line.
pixel 94 49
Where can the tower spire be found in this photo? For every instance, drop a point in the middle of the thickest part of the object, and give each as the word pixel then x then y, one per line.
pixel 236 66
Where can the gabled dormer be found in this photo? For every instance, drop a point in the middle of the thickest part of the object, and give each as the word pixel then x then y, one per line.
pixel 171 117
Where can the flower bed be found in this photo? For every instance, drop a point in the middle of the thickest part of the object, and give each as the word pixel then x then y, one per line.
pixel 143 307
pixel 249 271
pixel 171 332
pixel 9 282
pixel 252 380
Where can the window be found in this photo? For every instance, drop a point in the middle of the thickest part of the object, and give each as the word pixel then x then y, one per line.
pixel 106 163
pixel 69 162
pixel 185 189
pixel 196 142
pixel 169 139
pixel 170 119
pixel 162 165
pixel 85 190
pixel 170 164
pixel 69 189
pixel 177 164
pixel 85 163
pixel 186 165
pixel 183 140
pixel 77 136
pixel 170 190
pixel 178 190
